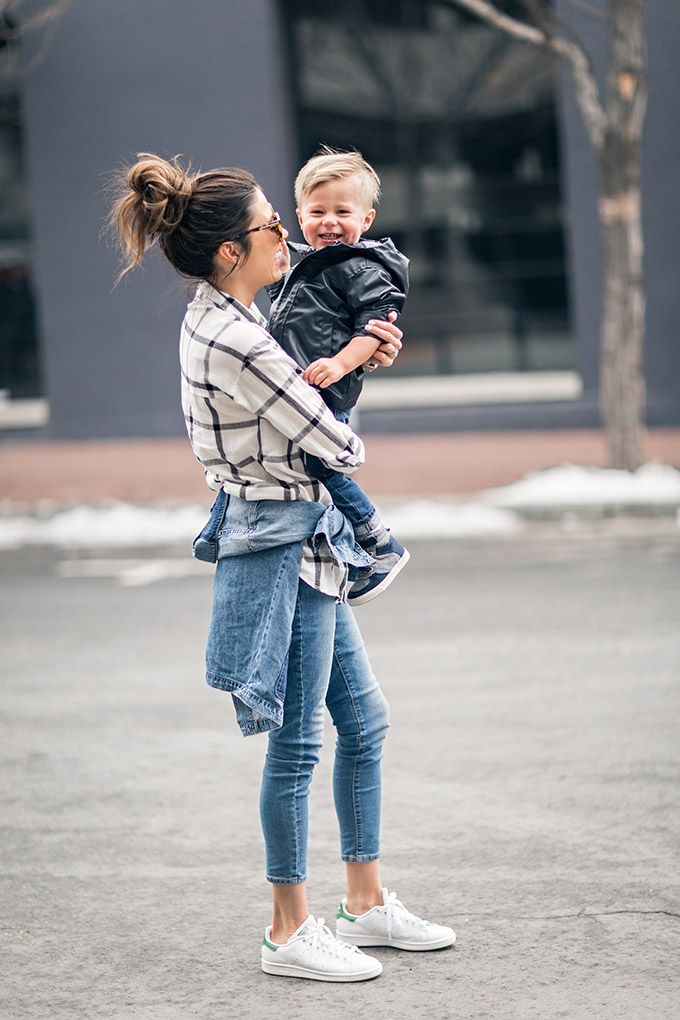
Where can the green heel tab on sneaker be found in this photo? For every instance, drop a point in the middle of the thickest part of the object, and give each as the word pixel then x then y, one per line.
pixel 268 944
pixel 343 913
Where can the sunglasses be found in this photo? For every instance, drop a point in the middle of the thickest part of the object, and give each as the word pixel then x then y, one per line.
pixel 274 224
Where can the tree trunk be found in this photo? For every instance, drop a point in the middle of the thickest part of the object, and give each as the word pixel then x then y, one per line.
pixel 620 212
pixel 616 134
pixel 623 309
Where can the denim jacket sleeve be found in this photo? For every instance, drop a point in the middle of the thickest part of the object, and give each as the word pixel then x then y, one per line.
pixel 238 526
pixel 258 548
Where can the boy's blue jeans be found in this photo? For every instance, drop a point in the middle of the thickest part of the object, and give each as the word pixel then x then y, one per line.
pixel 327 665
pixel 347 494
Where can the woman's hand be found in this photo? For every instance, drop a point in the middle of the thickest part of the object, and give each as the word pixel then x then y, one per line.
pixel 390 336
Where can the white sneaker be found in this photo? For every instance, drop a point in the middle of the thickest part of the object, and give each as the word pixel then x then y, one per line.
pixel 391 924
pixel 314 952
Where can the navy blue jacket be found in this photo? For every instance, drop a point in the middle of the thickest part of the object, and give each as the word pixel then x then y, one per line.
pixel 329 297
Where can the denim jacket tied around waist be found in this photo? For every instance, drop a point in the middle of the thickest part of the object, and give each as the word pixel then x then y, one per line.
pixel 257 545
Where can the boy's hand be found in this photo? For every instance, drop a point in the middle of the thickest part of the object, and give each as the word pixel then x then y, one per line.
pixel 284 261
pixel 323 372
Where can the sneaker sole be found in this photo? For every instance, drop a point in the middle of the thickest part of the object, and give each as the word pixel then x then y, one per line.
pixel 361 600
pixel 382 940
pixel 285 970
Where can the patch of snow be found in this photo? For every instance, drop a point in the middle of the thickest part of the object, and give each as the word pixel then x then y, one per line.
pixel 426 518
pixel 570 486
pixel 121 525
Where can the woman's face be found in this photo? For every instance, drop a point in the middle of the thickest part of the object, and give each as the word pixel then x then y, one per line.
pixel 263 263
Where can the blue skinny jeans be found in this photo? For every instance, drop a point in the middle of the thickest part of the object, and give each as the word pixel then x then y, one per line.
pixel 347 494
pixel 327 666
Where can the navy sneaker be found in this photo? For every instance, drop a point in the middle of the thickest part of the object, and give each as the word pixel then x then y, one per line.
pixel 389 560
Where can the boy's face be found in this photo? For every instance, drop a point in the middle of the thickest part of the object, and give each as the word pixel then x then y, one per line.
pixel 335 211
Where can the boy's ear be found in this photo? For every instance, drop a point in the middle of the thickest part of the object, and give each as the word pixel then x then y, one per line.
pixel 370 216
pixel 229 250
pixel 299 216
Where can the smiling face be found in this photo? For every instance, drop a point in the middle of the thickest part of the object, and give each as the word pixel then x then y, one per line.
pixel 243 274
pixel 335 211
pixel 266 247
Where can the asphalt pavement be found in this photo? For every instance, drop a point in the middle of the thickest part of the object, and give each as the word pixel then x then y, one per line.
pixel 531 789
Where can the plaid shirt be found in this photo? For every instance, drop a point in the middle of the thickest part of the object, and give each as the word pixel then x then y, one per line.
pixel 250 415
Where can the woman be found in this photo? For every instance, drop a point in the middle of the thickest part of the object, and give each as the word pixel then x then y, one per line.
pixel 281 638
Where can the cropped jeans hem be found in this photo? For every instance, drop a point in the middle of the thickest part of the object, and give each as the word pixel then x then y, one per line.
pixel 360 859
pixel 286 881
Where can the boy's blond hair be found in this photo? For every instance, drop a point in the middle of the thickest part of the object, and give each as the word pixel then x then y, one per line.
pixel 334 165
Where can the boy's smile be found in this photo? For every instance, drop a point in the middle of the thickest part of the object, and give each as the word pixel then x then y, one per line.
pixel 335 211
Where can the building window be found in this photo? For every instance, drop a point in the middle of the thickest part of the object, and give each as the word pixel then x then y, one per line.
pixel 459 120
pixel 20 368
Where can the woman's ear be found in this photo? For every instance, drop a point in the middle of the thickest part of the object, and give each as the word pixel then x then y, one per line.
pixel 229 251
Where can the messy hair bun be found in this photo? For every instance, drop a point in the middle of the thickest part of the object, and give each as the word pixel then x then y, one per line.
pixel 164 189
pixel 190 215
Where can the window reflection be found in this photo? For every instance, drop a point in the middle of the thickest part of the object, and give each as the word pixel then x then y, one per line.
pixel 459 121
pixel 20 373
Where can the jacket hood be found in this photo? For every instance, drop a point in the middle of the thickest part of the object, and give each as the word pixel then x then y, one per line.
pixel 382 252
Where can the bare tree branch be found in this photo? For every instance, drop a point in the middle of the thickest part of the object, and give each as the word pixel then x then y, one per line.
pixel 585 88
pixel 571 52
pixel 489 12
pixel 51 13
pixel 12 28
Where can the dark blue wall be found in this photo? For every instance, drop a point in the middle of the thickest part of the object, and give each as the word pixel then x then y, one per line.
pixel 205 80
pixel 209 80
pixel 661 204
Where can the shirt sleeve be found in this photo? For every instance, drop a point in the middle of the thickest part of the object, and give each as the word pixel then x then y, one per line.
pixel 372 294
pixel 269 384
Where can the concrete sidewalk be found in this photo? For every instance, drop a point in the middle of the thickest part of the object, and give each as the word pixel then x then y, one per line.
pixel 164 470
pixel 530 801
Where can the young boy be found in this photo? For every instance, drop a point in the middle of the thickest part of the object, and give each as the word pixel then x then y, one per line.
pixel 320 309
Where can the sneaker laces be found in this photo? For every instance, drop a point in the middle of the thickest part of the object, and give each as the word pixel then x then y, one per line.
pixel 323 938
pixel 396 912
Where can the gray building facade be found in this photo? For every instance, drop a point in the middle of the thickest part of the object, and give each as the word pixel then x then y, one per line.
pixel 222 83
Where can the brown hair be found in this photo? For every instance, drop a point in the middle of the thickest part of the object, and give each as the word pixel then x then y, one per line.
pixel 190 215
pixel 333 165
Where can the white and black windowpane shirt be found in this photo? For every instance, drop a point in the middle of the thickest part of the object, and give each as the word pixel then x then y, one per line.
pixel 250 415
